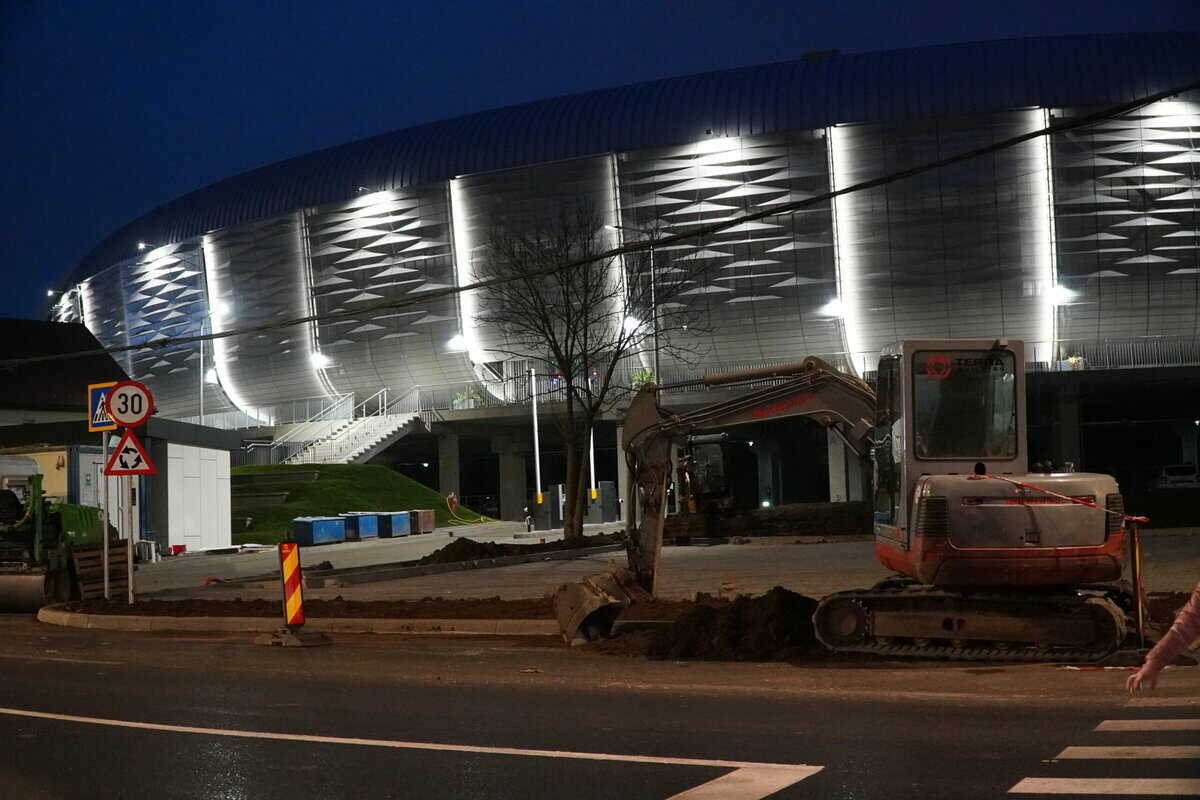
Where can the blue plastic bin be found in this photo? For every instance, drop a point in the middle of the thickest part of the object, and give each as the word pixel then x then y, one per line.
pixel 361 525
pixel 394 523
pixel 318 530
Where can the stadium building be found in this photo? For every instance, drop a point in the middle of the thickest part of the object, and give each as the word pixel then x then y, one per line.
pixel 1086 243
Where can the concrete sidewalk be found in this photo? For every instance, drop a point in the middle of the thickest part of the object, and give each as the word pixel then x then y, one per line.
pixel 1172 563
pixel 190 571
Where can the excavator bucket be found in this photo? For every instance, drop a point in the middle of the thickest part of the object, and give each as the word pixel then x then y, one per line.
pixel 586 611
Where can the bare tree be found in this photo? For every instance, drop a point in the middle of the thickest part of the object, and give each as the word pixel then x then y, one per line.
pixel 583 325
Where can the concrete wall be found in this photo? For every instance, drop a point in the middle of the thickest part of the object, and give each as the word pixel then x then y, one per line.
pixel 197 497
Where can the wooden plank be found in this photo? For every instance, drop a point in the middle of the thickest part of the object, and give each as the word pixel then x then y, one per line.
pixel 89 570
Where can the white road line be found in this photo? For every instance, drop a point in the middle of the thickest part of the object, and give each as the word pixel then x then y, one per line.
pixel 1148 751
pixel 1149 725
pixel 1166 787
pixel 747 783
pixel 68 660
pixel 751 780
pixel 1163 702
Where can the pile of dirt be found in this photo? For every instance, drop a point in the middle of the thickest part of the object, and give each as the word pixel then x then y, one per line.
pixel 770 627
pixel 465 549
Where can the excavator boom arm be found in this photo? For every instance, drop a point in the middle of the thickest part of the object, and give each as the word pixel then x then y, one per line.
pixel 813 389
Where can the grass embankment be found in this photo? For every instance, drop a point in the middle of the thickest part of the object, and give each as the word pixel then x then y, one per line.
pixel 338 488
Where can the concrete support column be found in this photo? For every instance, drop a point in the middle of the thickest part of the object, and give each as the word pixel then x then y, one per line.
pixel 768 485
pixel 514 491
pixel 1069 445
pixel 849 479
pixel 840 461
pixel 1187 442
pixel 448 464
pixel 622 477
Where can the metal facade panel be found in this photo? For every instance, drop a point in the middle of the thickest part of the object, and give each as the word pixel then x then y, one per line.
pixel 960 252
pixel 1127 216
pixel 257 273
pixel 389 245
pixel 900 84
pixel 520 201
pixel 761 285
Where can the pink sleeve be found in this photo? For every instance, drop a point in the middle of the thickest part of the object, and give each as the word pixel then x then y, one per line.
pixel 1185 631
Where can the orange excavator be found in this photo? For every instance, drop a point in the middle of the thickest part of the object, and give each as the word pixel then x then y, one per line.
pixel 992 562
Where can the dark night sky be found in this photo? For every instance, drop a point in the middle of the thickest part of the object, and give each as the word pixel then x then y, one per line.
pixel 110 109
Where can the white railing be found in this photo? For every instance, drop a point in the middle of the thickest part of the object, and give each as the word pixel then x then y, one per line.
pixel 352 442
pixel 340 413
pixel 291 412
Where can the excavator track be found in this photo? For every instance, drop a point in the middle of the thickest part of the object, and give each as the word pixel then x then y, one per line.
pixel 914 621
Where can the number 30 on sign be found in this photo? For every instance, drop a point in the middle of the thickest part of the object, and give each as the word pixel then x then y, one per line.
pixel 130 404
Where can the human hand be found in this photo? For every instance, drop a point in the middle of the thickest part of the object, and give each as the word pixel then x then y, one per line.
pixel 1146 677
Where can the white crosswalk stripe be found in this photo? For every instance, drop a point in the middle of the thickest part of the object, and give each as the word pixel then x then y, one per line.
pixel 1163 787
pixel 1164 702
pixel 1118 725
pixel 1150 751
pixel 1149 745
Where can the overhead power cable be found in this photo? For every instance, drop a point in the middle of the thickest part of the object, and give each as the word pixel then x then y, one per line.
pixel 368 310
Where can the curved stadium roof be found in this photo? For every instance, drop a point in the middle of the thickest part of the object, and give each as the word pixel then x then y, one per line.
pixel 792 95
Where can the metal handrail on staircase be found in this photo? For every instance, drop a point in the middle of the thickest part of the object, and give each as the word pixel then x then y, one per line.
pixel 380 400
pixel 298 433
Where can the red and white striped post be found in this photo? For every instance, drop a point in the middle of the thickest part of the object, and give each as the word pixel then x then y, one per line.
pixel 292 634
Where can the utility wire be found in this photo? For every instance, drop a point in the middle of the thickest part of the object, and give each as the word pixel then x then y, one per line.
pixel 370 309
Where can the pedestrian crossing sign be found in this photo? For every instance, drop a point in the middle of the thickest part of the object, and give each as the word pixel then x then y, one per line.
pixel 98 419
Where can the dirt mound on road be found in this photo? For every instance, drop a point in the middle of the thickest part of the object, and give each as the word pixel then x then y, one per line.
pixel 771 627
pixel 465 549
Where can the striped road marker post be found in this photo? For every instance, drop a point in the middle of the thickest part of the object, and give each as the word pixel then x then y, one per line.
pixel 292 634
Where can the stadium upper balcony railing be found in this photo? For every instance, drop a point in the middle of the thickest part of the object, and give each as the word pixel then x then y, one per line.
pixel 430 400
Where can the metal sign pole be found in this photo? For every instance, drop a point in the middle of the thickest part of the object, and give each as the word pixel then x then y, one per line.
pixel 104 513
pixel 129 536
pixel 592 459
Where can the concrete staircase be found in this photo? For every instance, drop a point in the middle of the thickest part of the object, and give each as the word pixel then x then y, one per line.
pixel 358 441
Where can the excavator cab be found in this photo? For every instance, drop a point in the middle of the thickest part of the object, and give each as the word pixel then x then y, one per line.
pixel 950 456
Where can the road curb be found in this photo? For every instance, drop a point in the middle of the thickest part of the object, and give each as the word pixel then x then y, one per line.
pixel 56 615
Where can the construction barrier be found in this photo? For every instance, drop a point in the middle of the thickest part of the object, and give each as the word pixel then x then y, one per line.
pixel 292 634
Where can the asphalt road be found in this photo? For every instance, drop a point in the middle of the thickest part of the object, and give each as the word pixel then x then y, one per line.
pixel 137 716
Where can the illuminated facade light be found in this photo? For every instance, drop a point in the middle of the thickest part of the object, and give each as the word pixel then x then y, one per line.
pixel 847 266
pixel 1060 295
pixel 457 343
pixel 834 308
pixel 320 360
pixel 631 324
pixel 141 245
pixel 211 376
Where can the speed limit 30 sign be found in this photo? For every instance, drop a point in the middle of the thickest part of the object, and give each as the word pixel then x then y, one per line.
pixel 129 404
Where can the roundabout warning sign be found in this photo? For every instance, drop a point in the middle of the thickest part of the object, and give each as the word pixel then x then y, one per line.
pixel 130 457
